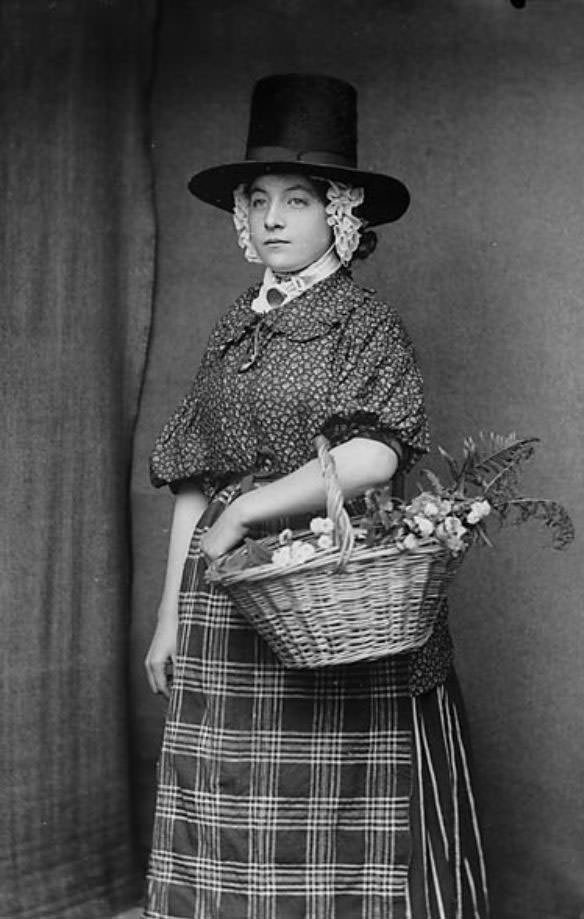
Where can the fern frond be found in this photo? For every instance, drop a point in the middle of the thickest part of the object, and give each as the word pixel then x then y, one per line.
pixel 492 443
pixel 552 514
pixel 434 481
pixel 499 467
pixel 450 462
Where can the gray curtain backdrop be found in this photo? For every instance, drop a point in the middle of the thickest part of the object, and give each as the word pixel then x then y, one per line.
pixel 478 107
pixel 76 268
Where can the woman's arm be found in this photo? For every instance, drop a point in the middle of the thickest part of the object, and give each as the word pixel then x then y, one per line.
pixel 361 463
pixel 188 506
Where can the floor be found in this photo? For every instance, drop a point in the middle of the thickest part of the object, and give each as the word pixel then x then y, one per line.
pixel 132 914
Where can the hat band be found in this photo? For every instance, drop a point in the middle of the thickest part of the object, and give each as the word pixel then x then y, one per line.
pixel 287 155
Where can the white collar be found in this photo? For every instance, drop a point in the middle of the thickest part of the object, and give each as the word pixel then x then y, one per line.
pixel 291 286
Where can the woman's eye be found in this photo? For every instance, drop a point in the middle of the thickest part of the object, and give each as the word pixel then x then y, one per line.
pixel 258 202
pixel 298 202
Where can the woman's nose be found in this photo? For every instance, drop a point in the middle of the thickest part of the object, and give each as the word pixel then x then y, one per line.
pixel 273 216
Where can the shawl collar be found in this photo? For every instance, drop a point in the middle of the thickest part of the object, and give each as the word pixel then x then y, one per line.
pixel 311 315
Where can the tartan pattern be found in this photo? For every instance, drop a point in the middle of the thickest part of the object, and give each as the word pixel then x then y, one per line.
pixel 282 794
pixel 447 872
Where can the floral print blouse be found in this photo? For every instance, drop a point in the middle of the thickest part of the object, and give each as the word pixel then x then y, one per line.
pixel 335 360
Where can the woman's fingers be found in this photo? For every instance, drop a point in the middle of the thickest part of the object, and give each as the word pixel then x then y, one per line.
pixel 161 652
pixel 223 535
pixel 159 678
pixel 156 674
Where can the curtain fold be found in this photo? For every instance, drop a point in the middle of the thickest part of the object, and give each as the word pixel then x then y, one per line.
pixel 77 260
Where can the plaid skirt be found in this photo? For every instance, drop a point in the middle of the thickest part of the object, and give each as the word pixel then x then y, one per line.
pixel 311 794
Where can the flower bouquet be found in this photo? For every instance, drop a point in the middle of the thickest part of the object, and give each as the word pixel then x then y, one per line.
pixel 348 590
pixel 482 487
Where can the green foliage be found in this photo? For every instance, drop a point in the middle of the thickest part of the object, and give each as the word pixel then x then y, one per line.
pixel 490 470
pixel 434 481
pixel 550 513
pixel 256 553
pixel 251 554
pixel 483 485
pixel 493 465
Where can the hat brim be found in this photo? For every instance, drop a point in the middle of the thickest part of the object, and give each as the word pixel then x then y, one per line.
pixel 386 199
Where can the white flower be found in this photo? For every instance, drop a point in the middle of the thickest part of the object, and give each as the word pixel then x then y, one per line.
pixel 410 542
pixel 451 526
pixel 325 541
pixel 293 554
pixel 425 526
pixel 450 532
pixel 282 556
pixel 426 505
pixel 302 551
pixel 320 525
pixel 478 510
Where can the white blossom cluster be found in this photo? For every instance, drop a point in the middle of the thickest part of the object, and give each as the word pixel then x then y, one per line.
pixel 442 520
pixel 295 551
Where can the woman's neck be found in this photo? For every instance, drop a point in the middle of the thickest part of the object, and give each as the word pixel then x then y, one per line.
pixel 323 266
pixel 279 289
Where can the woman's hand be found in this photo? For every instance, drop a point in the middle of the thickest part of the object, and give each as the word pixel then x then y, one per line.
pixel 227 531
pixel 162 649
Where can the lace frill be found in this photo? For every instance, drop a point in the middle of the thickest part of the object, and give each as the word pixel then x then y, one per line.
pixel 241 221
pixel 346 227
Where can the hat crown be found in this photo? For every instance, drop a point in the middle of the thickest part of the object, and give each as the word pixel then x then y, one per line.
pixel 304 114
pixel 305 123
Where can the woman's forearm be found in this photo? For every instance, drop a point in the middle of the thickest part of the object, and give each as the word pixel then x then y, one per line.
pixel 189 504
pixel 361 463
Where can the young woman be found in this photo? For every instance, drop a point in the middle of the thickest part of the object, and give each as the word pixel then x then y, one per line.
pixel 342 792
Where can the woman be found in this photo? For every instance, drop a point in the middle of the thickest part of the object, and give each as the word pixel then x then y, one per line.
pixel 343 791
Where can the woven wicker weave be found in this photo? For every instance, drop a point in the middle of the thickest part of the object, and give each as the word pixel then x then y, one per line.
pixel 345 604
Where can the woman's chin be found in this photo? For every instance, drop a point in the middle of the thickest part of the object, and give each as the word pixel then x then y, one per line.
pixel 280 262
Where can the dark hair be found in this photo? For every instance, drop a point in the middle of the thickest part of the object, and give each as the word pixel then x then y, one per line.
pixel 367 244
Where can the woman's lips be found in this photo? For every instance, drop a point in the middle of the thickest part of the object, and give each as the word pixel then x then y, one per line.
pixel 276 242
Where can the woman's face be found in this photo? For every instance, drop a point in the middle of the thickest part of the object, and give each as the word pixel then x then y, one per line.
pixel 288 222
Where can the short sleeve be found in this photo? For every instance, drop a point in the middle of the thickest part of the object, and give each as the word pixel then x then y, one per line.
pixel 189 447
pixel 185 449
pixel 178 451
pixel 378 388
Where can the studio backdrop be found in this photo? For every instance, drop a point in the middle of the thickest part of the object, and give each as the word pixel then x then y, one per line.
pixel 477 106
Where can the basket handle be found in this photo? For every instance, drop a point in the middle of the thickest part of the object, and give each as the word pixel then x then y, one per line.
pixel 335 504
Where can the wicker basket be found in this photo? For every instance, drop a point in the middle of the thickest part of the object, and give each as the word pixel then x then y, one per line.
pixel 346 604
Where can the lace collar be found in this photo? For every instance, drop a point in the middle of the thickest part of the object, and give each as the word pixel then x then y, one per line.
pixel 309 315
pixel 287 287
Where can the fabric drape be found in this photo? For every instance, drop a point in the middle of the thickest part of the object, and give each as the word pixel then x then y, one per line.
pixel 76 252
